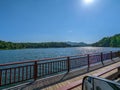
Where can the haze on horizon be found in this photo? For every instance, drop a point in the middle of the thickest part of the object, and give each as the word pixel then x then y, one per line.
pixel 58 20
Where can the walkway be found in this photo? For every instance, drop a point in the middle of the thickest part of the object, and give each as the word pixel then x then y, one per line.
pixel 65 84
pixel 66 80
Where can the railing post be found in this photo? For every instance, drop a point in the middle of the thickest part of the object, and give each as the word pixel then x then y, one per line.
pixel 118 54
pixel 88 57
pixel 102 58
pixel 35 70
pixel 111 55
pixel 68 64
pixel 118 69
pixel 0 77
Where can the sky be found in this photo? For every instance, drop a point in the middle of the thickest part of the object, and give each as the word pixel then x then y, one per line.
pixel 58 20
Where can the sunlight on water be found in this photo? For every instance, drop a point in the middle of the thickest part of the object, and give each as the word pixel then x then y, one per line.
pixel 90 50
pixel 36 54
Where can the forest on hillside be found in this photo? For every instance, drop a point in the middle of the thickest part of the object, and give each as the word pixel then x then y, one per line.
pixel 11 45
pixel 113 41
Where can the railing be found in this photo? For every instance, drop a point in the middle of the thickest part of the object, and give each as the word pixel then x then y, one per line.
pixel 11 73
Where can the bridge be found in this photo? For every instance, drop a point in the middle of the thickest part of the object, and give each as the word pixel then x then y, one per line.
pixel 63 73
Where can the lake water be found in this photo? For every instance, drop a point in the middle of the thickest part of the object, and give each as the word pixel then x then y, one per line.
pixel 35 54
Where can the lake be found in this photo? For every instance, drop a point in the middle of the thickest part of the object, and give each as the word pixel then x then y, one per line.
pixel 39 53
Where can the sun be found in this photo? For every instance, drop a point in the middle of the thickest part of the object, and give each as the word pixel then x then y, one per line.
pixel 88 1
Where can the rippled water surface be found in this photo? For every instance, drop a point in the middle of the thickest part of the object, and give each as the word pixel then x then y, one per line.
pixel 35 54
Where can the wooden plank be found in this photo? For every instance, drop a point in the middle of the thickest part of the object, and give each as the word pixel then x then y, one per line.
pixel 79 82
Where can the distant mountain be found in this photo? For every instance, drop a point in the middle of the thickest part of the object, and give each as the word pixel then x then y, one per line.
pixel 12 45
pixel 113 41
pixel 75 44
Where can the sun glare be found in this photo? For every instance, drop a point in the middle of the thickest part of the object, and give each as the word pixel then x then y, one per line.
pixel 88 1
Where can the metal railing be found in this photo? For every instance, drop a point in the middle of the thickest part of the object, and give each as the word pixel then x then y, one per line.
pixel 12 73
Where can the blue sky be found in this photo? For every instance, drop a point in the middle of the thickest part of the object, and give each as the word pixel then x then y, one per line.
pixel 58 20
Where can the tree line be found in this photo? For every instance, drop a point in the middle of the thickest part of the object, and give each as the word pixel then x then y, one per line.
pixel 11 45
pixel 113 41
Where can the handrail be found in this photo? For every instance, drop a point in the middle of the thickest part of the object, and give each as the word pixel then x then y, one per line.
pixel 22 71
pixel 30 61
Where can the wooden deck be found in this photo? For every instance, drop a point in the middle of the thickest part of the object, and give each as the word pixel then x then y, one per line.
pixel 69 84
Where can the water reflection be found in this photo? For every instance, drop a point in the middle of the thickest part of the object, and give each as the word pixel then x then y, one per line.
pixel 35 54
